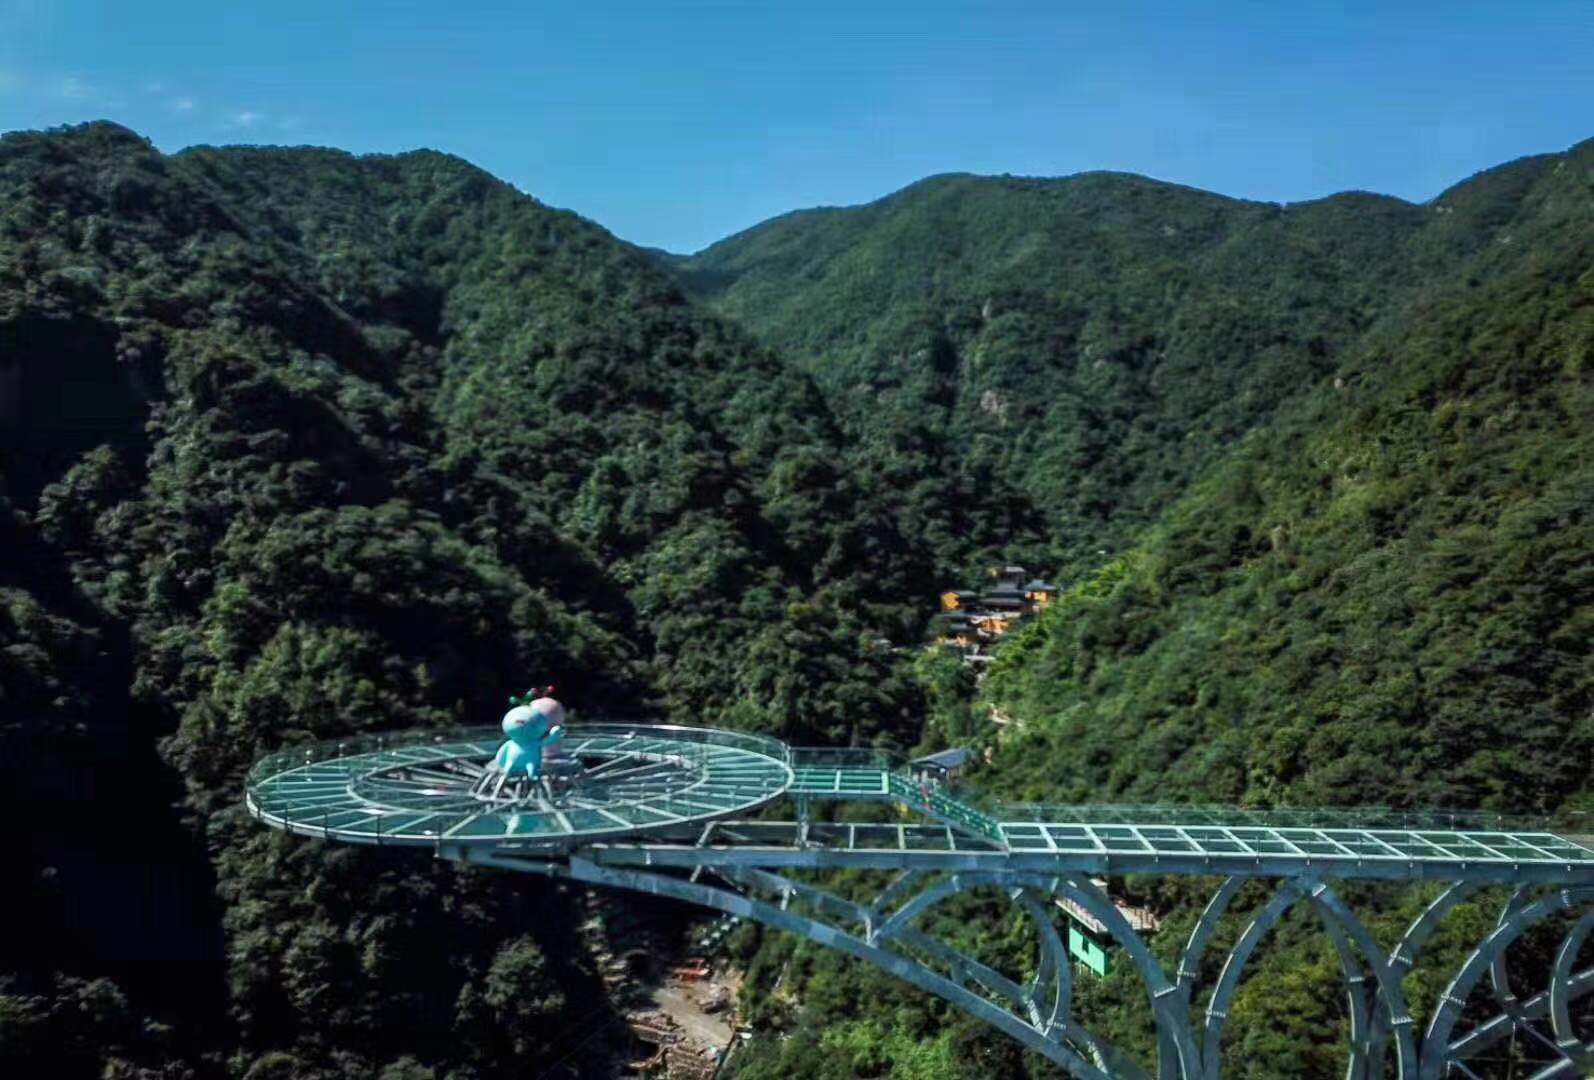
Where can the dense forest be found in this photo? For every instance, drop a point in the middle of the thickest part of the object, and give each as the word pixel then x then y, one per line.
pixel 298 444
pixel 1318 480
pixel 1076 351
pixel 302 444
pixel 1335 449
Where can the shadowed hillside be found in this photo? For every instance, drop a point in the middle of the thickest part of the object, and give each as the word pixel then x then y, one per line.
pixel 301 444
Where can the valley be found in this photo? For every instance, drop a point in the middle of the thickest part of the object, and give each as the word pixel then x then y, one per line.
pixel 298 445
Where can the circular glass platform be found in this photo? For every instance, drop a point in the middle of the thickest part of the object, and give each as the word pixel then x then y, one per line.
pixel 602 780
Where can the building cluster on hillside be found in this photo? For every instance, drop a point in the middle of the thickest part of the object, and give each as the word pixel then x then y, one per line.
pixel 970 620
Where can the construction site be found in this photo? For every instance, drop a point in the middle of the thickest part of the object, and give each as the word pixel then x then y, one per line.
pixel 678 997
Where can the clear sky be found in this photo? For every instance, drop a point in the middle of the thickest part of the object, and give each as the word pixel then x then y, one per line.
pixel 677 122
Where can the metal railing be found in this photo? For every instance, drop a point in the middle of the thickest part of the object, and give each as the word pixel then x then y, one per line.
pixel 1352 817
pixel 692 746
pixel 828 757
pixel 940 802
pixel 351 745
pixel 982 809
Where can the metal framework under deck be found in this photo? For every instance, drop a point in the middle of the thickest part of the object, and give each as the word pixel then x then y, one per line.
pixel 749 866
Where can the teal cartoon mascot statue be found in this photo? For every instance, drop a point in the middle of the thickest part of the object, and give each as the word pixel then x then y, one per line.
pixel 534 722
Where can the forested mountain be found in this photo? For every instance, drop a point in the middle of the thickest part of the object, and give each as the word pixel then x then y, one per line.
pixel 295 443
pixel 1318 477
pixel 1385 596
pixel 1076 350
pixel 1335 400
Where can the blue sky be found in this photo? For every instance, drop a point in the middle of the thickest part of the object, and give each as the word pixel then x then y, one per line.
pixel 677 123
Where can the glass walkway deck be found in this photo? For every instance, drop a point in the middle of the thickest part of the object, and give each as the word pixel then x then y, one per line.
pixel 721 819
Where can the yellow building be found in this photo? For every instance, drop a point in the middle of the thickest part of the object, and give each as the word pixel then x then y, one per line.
pixel 956 599
pixel 1039 593
pixel 995 622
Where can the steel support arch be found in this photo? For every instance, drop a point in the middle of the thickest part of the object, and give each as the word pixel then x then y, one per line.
pixel 1339 921
pixel 1052 1020
pixel 898 926
pixel 1437 1049
pixel 583 869
pixel 1195 948
pixel 1499 975
pixel 1167 1009
pixel 1560 989
pixel 1403 957
pixel 1040 1018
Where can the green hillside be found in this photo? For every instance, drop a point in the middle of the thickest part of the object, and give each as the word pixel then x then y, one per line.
pixel 302 444
pixel 1338 551
pixel 1076 350
pixel 1386 596
pixel 1351 486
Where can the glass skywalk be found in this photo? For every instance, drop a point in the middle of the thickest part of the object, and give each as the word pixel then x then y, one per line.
pixel 658 787
pixel 421 788
pixel 690 814
pixel 1222 839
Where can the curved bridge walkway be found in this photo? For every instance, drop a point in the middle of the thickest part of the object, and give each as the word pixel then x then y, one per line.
pixel 745 863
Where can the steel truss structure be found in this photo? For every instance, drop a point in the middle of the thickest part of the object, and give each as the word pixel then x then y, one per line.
pixel 719 859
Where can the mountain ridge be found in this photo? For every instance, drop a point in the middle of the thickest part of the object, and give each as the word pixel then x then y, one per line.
pixel 1044 180
pixel 1027 288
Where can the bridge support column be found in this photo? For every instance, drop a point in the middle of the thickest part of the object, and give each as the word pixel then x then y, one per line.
pixel 1038 1011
